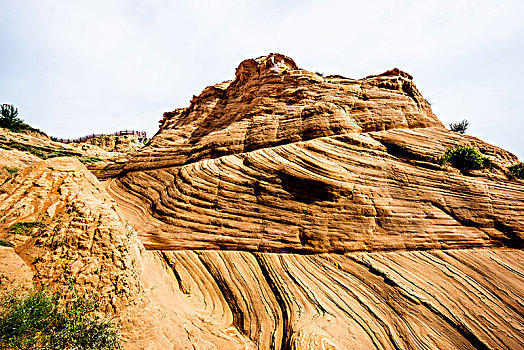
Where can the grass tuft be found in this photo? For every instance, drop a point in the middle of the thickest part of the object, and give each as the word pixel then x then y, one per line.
pixel 90 160
pixel 4 243
pixel 25 228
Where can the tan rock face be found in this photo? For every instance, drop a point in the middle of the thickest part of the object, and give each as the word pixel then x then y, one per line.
pixel 19 150
pixel 120 143
pixel 285 210
pixel 356 170
pixel 271 102
pixel 82 240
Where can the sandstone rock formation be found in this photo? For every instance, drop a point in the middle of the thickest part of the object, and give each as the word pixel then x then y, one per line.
pixel 118 143
pixel 281 159
pixel 81 240
pixel 285 210
pixel 19 150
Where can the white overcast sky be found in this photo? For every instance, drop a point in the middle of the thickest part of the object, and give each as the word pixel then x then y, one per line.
pixel 80 67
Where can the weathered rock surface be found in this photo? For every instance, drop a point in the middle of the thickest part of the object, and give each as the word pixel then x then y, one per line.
pixel 271 102
pixel 357 173
pixel 117 143
pixel 83 241
pixel 285 210
pixel 19 150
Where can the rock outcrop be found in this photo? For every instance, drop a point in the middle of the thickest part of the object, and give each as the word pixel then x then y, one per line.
pixel 118 143
pixel 285 210
pixel 19 150
pixel 79 240
pixel 271 102
pixel 282 159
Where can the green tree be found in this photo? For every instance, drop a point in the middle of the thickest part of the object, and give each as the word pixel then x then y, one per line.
pixel 9 117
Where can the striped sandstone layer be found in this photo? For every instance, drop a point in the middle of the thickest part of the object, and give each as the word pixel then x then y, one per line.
pixel 283 160
pixel 285 210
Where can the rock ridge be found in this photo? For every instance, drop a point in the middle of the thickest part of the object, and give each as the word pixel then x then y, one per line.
pixel 271 102
pixel 284 160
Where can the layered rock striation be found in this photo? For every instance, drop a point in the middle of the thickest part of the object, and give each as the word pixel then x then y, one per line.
pixel 285 210
pixel 282 159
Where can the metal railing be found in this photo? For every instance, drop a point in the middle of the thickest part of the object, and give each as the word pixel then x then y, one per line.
pixel 118 133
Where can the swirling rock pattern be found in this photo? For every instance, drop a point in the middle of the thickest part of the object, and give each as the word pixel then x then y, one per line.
pixel 311 213
pixel 322 195
pixel 281 159
pixel 453 299
pixel 81 241
pixel 285 210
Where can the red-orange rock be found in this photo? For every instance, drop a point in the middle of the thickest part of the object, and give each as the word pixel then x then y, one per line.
pixel 281 159
pixel 285 210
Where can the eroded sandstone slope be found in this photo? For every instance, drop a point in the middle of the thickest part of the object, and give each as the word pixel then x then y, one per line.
pixel 79 240
pixel 285 210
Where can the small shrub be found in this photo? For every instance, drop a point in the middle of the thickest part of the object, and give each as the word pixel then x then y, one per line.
pixel 37 320
pixel 459 127
pixel 90 160
pixel 25 228
pixel 465 158
pixel 11 169
pixel 144 140
pixel 4 243
pixel 517 170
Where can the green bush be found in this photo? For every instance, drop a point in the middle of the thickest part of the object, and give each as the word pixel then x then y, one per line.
pixel 465 158
pixel 25 228
pixel 11 169
pixel 4 243
pixel 517 170
pixel 37 320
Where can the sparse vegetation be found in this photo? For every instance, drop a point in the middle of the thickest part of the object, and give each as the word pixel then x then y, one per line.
pixel 460 127
pixel 465 158
pixel 90 160
pixel 517 171
pixel 39 152
pixel 37 320
pixel 11 169
pixel 144 140
pixel 25 228
pixel 4 243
